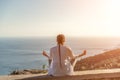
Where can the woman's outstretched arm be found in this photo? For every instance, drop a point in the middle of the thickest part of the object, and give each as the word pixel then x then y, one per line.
pixel 73 60
pixel 45 54
pixel 73 56
pixel 80 55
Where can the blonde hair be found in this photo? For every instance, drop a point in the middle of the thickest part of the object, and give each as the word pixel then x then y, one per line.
pixel 60 39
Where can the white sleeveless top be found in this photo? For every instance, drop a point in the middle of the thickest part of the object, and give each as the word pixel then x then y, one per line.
pixel 66 54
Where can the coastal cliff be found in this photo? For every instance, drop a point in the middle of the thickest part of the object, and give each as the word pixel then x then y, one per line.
pixel 107 60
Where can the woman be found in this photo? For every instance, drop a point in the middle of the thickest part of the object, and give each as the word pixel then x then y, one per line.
pixel 61 57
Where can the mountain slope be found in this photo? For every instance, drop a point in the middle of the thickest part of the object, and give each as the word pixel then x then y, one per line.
pixel 106 60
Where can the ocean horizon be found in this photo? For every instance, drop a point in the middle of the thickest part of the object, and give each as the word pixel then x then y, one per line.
pixel 25 53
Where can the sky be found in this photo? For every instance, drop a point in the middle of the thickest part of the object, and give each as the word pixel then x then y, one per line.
pixel 43 18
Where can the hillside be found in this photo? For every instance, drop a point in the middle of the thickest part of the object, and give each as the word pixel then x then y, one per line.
pixel 106 60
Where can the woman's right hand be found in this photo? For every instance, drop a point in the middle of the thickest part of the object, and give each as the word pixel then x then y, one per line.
pixel 84 52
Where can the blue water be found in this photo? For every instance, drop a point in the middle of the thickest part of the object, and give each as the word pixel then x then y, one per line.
pixel 25 53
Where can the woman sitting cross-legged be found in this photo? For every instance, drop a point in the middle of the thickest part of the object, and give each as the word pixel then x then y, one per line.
pixel 62 58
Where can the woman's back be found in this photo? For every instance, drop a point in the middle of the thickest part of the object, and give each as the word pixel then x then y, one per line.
pixel 60 61
pixel 61 56
pixel 56 55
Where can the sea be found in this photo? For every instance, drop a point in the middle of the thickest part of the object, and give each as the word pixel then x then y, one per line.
pixel 26 53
